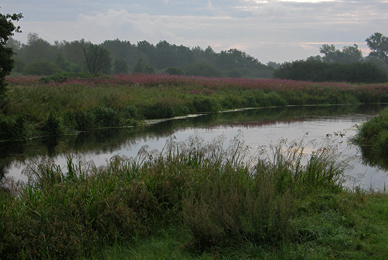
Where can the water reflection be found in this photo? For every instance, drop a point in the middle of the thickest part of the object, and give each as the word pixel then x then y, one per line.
pixel 259 127
pixel 373 159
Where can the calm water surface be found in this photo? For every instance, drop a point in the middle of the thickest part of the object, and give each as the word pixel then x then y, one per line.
pixel 258 127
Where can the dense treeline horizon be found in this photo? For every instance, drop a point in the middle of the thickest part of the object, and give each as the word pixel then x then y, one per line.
pixel 346 65
pixel 39 57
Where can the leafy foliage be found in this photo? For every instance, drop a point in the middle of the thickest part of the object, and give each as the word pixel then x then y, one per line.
pixel 120 66
pixel 97 58
pixel 41 68
pixel 378 43
pixel 348 55
pixel 319 71
pixel 202 69
pixel 7 29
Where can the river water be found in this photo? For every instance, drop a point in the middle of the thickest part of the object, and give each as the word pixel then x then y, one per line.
pixel 260 129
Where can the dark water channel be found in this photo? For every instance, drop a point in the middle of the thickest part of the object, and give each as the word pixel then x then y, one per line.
pixel 316 125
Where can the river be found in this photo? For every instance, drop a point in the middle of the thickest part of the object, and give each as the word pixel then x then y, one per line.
pixel 260 129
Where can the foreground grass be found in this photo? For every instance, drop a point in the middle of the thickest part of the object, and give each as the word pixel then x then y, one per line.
pixel 359 233
pixel 194 200
pixel 34 108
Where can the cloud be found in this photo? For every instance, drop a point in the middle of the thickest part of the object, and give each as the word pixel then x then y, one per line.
pixel 276 30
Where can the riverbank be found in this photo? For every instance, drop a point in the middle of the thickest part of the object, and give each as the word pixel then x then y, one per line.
pixel 34 108
pixel 194 200
pixel 372 137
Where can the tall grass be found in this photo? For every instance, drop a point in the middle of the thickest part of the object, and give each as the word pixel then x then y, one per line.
pixel 81 104
pixel 223 197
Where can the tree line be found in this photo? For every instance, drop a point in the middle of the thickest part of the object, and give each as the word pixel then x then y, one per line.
pixel 39 57
pixel 337 65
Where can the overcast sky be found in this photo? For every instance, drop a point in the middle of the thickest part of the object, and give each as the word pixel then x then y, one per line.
pixel 269 30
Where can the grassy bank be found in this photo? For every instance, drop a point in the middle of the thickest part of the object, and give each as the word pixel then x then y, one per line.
pixel 193 200
pixel 372 137
pixel 50 108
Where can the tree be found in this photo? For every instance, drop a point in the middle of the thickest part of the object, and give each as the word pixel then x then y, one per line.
pixel 97 58
pixel 174 71
pixel 378 43
pixel 141 67
pixel 273 64
pixel 72 51
pixel 41 68
pixel 7 29
pixel 38 49
pixel 318 71
pixel 348 55
pixel 149 50
pixel 122 50
pixel 202 69
pixel 65 65
pixel 120 66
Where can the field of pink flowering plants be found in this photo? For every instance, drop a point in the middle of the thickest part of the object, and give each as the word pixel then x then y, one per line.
pixel 34 107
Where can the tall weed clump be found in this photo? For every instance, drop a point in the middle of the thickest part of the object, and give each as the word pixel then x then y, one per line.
pixel 226 212
pixel 239 201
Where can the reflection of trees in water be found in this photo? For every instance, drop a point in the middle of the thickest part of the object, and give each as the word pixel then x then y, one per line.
pixel 109 140
pixel 3 170
pixel 373 158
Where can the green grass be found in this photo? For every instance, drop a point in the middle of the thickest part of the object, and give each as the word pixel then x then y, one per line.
pixel 193 200
pixel 33 108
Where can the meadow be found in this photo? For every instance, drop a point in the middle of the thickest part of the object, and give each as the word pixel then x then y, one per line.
pixel 193 199
pixel 64 104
